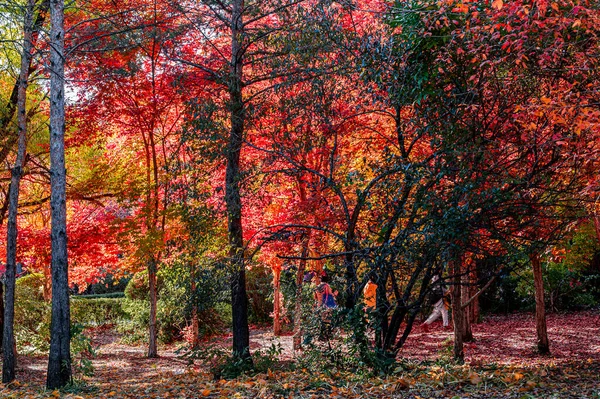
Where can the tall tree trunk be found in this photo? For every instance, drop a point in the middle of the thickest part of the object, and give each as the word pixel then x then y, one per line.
pixel 543 344
pixel 9 355
pixel 475 310
pixel 152 342
pixel 277 301
pixel 195 324
pixel 297 340
pixel 59 361
pixel 467 331
pixel 239 297
pixel 1 312
pixel 457 311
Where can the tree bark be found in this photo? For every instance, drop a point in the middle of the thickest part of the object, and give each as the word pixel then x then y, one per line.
pixel 474 306
pixel 543 344
pixel 297 340
pixel 457 311
pixel 9 355
pixel 1 313
pixel 59 361
pixel 467 331
pixel 239 297
pixel 277 301
pixel 195 324
pixel 152 342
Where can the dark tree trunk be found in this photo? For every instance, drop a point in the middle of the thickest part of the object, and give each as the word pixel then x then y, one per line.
pixel 1 312
pixel 297 340
pixel 152 288
pixel 9 355
pixel 474 307
pixel 543 343
pixel 195 321
pixel 467 331
pixel 457 311
pixel 239 297
pixel 59 361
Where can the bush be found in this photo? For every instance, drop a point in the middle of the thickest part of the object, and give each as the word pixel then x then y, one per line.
pixel 260 285
pixel 134 326
pixel 107 295
pixel 96 311
pixel 32 315
pixel 138 287
pixel 31 286
pixel 176 300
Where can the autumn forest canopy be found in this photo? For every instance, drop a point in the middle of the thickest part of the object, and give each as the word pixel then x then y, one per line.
pixel 179 170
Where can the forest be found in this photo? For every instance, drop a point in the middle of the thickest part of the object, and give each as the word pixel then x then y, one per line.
pixel 278 199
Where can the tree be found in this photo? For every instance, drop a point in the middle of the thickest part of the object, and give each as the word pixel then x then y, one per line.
pixel 242 61
pixel 8 340
pixel 59 361
pixel 135 90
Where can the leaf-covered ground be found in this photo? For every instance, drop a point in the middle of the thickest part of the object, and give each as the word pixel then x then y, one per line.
pixel 501 364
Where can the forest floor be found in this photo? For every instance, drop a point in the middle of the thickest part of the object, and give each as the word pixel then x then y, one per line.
pixel 501 363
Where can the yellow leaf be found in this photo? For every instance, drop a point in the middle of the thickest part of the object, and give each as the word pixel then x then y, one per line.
pixel 518 376
pixel 206 392
pixel 497 4
pixel 56 393
pixel 576 23
pixel 112 393
pixel 545 100
pixel 531 384
pixel 402 384
pixel 474 378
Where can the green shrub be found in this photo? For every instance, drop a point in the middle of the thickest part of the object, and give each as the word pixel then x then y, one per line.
pixel 96 311
pixel 259 288
pixel 31 286
pixel 176 300
pixel 138 288
pixel 134 326
pixel 107 295
pixel 32 315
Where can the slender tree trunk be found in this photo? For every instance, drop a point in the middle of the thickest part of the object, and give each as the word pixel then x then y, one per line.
pixel 59 361
pixel 195 324
pixel 457 311
pixel 467 331
pixel 9 355
pixel 543 344
pixel 277 301
pixel 152 342
pixel 297 340
pixel 239 297
pixel 475 311
pixel 1 313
